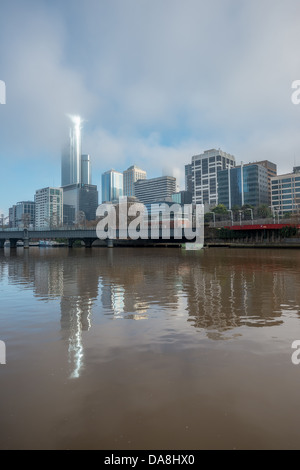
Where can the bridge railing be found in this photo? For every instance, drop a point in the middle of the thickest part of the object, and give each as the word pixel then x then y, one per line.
pixel 229 222
pixel 46 229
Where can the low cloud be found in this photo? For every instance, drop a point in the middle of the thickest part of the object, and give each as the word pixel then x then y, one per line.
pixel 156 82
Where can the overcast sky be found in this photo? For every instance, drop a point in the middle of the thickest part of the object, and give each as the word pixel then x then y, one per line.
pixel 156 82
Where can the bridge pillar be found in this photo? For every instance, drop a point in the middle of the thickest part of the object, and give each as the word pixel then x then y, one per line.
pixel 88 242
pixel 70 242
pixel 26 239
pixel 110 243
pixel 13 242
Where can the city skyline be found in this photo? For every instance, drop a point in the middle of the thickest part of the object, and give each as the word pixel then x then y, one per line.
pixel 155 101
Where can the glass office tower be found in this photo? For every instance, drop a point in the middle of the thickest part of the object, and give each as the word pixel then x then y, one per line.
pixel 112 186
pixel 71 156
pixel 246 184
pixel 86 174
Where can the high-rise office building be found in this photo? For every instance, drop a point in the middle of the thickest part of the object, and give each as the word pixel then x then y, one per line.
pixel 22 215
pixel 86 171
pixel 112 186
pixel 71 156
pixel 244 184
pixel 80 196
pixel 182 197
pixel 189 177
pixel 272 171
pixel 286 192
pixel 130 176
pixel 155 189
pixel 48 207
pixel 83 198
pixel 12 216
pixel 205 168
pixel 25 214
pixel 69 215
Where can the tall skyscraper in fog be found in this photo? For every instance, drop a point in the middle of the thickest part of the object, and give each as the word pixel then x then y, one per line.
pixel 71 156
pixel 80 197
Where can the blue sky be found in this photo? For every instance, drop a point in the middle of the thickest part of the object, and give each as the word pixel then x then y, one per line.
pixel 156 82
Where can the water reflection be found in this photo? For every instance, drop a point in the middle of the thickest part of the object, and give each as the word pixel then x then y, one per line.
pixel 79 292
pixel 230 289
pixel 216 291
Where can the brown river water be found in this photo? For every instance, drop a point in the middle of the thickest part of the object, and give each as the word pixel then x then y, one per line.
pixel 149 348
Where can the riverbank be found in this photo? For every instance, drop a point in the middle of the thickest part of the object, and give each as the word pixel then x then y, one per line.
pixel 251 245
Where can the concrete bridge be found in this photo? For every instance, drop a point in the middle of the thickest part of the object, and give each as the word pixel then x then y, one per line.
pixel 88 236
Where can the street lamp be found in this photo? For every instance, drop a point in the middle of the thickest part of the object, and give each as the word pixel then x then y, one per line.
pixel 231 215
pixel 273 213
pixel 214 217
pixel 240 212
pixel 276 207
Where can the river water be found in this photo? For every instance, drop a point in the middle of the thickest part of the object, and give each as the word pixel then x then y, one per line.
pixel 149 348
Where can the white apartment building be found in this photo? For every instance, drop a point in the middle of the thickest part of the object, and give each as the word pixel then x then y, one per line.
pixel 130 176
pixel 286 192
pixel 48 207
pixel 204 175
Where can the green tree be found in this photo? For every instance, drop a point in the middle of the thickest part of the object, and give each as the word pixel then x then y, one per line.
pixel 247 206
pixel 220 209
pixel 235 212
pixel 247 212
pixel 208 217
pixel 264 212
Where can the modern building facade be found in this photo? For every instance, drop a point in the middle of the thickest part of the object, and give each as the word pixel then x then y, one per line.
pixel 205 168
pixel 155 189
pixel 130 176
pixel 69 215
pixel 112 186
pixel 272 171
pixel 25 214
pixel 71 155
pixel 188 173
pixel 80 196
pixel 182 197
pixel 12 216
pixel 83 198
pixel 286 192
pixel 244 184
pixel 86 170
pixel 48 207
pixel 22 215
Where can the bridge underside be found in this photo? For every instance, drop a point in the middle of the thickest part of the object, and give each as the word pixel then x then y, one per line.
pixel 89 242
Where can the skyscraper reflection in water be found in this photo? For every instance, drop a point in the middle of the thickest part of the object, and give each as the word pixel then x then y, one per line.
pixel 216 292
